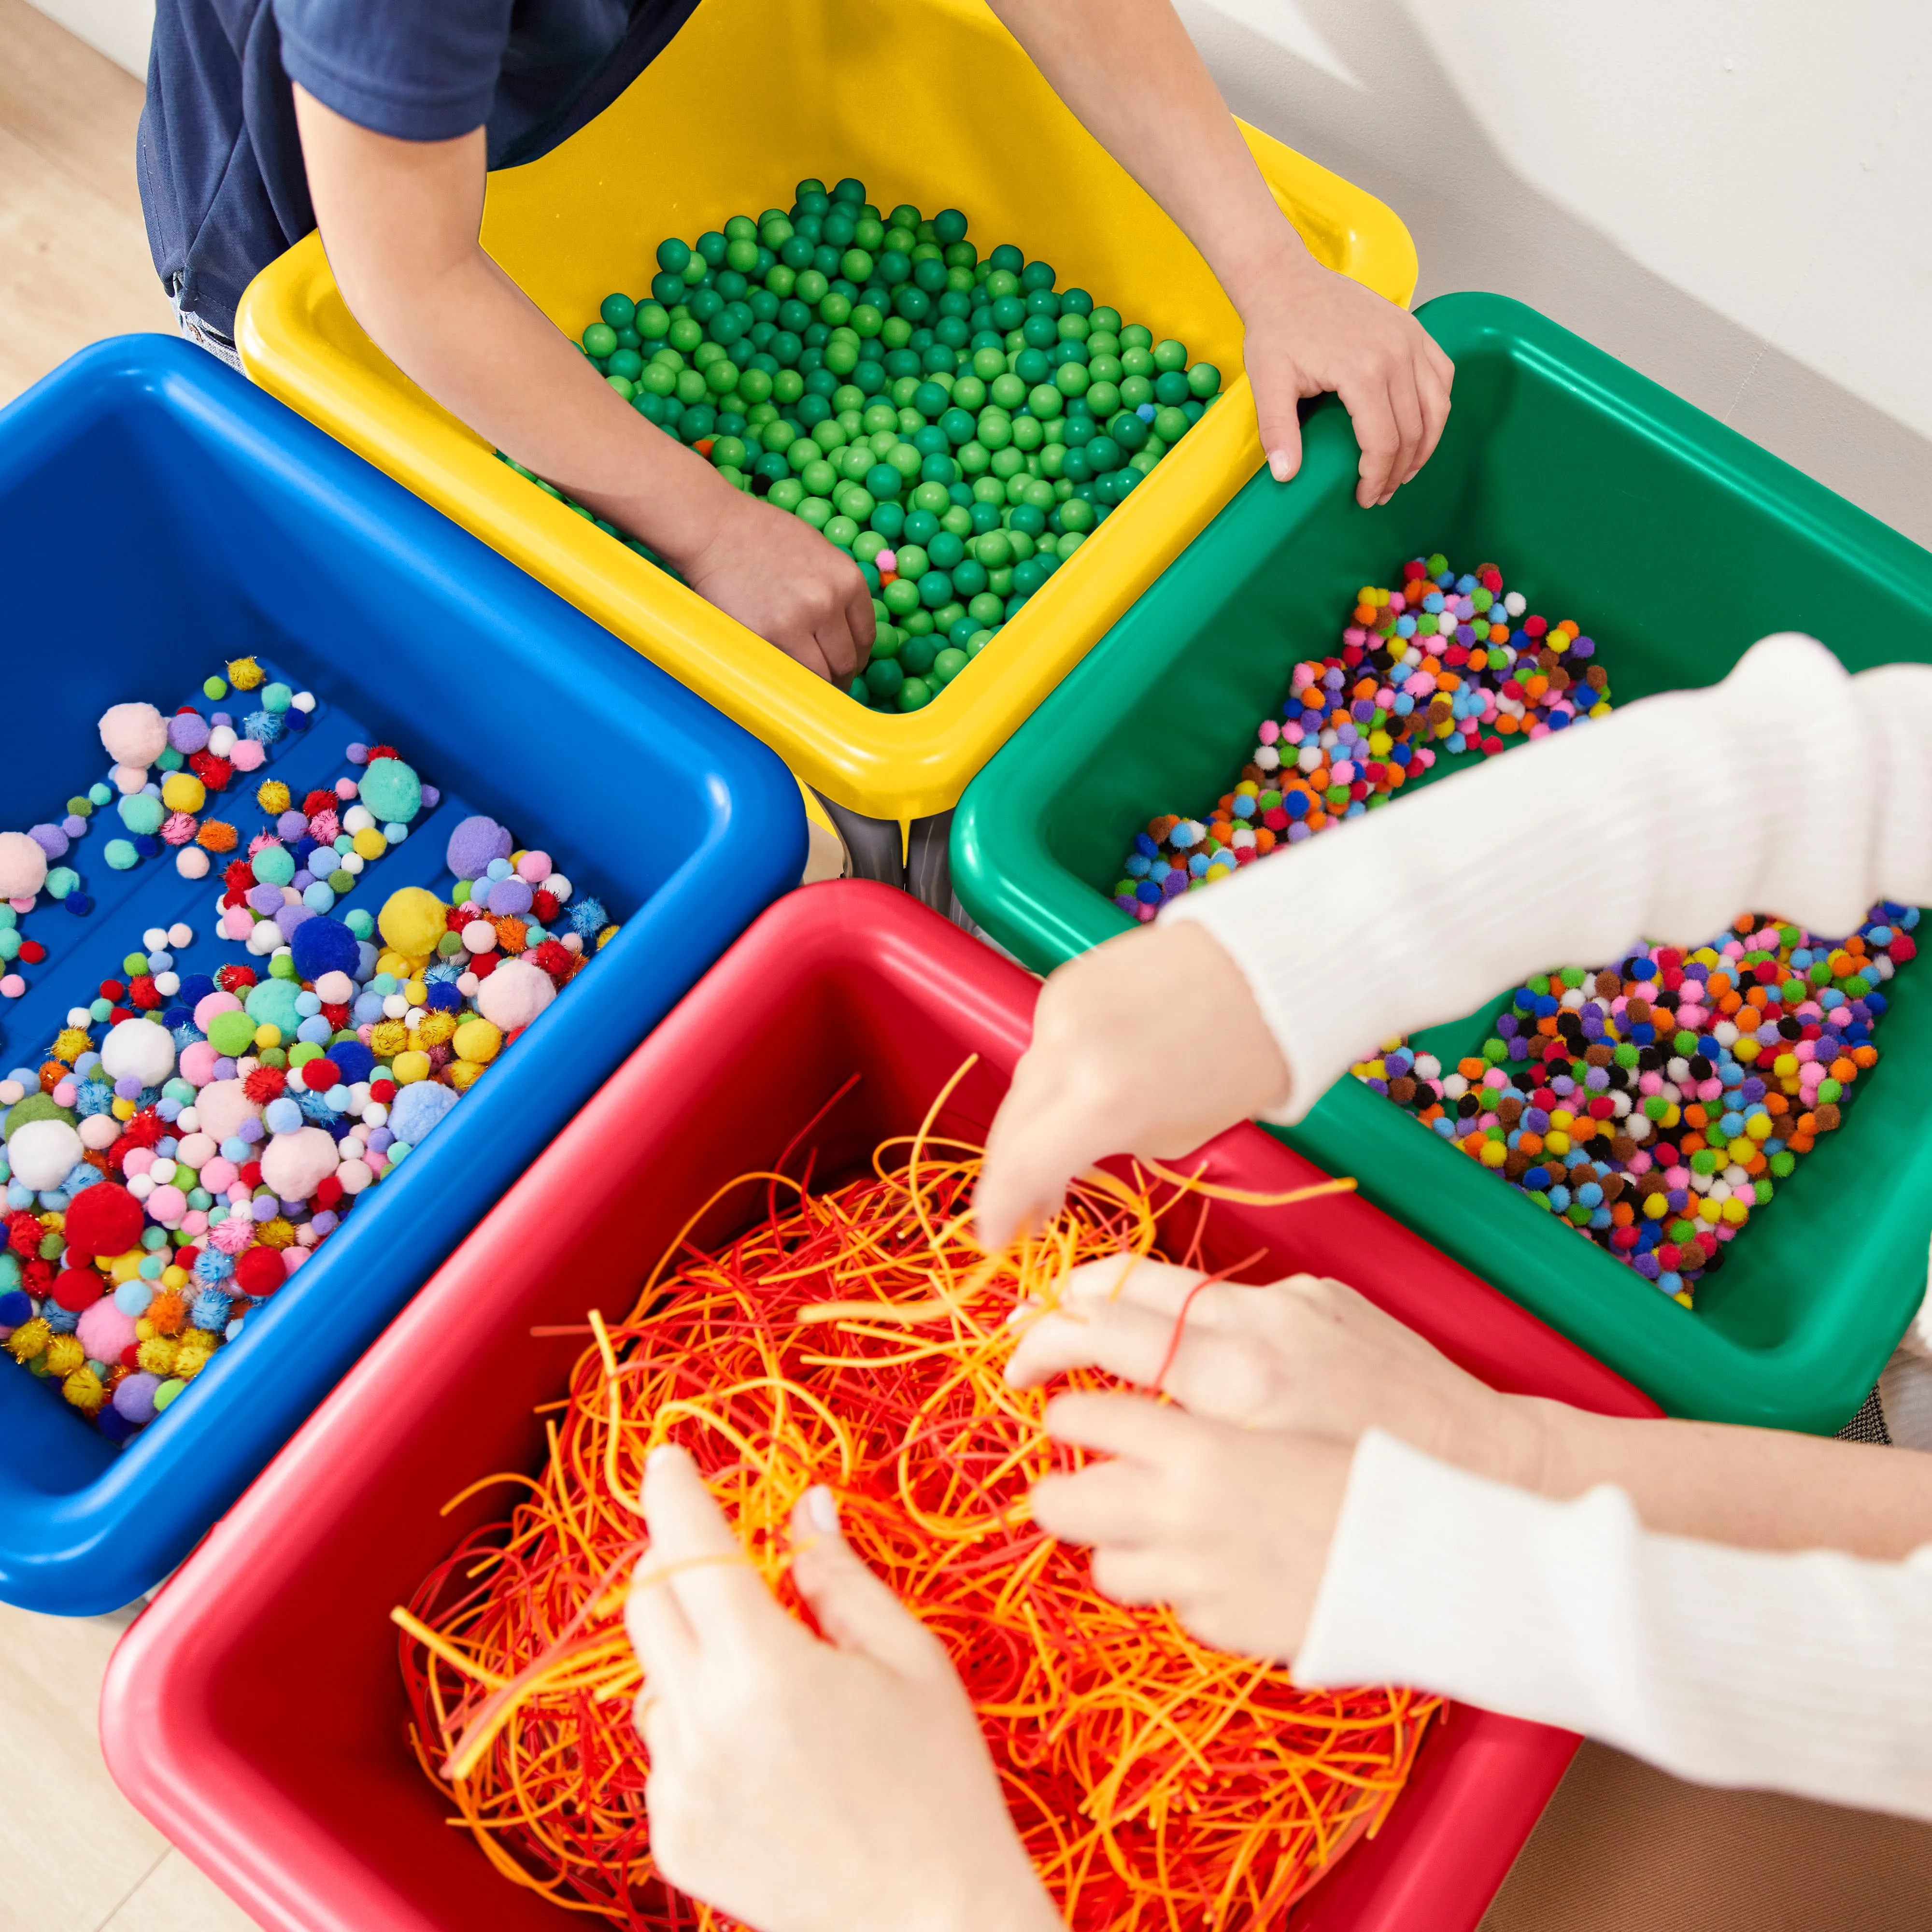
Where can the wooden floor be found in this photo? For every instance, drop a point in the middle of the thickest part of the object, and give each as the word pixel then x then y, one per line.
pixel 74 254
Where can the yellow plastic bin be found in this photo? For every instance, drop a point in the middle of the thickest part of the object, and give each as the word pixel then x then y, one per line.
pixel 928 101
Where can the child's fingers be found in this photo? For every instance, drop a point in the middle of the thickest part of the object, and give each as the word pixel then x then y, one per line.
pixel 659 1630
pixel 1372 414
pixel 862 621
pixel 1134 1426
pixel 1045 1133
pixel 695 1554
pixel 854 1607
pixel 1109 1503
pixel 1410 424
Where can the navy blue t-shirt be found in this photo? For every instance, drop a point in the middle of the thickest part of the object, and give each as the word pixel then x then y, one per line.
pixel 222 181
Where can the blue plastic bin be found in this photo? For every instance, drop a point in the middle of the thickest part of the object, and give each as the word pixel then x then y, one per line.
pixel 158 516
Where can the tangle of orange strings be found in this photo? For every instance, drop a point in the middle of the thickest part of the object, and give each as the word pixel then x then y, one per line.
pixel 857 1337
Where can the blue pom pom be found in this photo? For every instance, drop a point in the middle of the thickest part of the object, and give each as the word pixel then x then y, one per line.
pixel 113 1424
pixel 323 945
pixel 418 1108
pixel 210 1310
pixel 282 1115
pixel 93 1096
pixel 194 989
pixel 264 727
pixel 16 1306
pixel 588 918
pixel 442 997
pixel 212 1268
pixel 315 1107
pixel 78 904
pixel 353 1060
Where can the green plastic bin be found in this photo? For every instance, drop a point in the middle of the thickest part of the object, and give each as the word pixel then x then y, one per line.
pixel 1677 544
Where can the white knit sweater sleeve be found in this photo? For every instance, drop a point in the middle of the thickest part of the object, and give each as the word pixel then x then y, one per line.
pixel 1789 788
pixel 1808 1673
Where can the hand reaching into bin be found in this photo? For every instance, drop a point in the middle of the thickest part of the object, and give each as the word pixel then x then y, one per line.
pixel 802 1785
pixel 399 220
pixel 1128 69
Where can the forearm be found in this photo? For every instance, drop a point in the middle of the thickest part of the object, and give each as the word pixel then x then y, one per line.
pixel 1128 70
pixel 399 221
pixel 1758 1488
pixel 1810 1673
pixel 513 378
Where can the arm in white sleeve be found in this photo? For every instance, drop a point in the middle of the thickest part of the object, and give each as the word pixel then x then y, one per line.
pixel 1807 1673
pixel 1805 793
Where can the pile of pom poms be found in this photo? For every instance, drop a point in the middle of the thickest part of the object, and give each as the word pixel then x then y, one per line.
pixel 188 1140
pixel 1440 663
pixel 1654 1104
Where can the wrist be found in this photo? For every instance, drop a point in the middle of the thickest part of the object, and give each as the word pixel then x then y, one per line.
pixel 680 512
pixel 1272 273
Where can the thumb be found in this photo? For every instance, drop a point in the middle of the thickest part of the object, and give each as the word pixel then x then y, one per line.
pixel 854 1609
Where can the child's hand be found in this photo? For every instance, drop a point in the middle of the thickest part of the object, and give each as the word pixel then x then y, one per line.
pixel 1306 1354
pixel 1310 330
pixel 1228 1527
pixel 806 1787
pixel 779 577
pixel 1107 1072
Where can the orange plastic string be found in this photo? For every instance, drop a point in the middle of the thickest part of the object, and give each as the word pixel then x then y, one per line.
pixel 858 1338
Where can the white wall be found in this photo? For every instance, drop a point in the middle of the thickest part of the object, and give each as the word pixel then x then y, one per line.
pixel 120 29
pixel 1733 196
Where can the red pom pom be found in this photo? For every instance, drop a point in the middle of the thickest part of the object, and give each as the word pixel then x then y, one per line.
pixel 381 1090
pixel 37 1277
pixel 24 1232
pixel 259 1271
pixel 1904 947
pixel 318 801
pixel 119 1014
pixel 250 1174
pixel 111 989
pixel 556 959
pixel 338 1017
pixel 32 952
pixel 545 906
pixel 145 1129
pixel 263 1084
pixel 484 964
pixel 458 917
pixel 328 1191
pixel 235 978
pixel 214 773
pixel 142 995
pixel 130 1356
pixel 1534 627
pixel 383 752
pixel 76 1288
pixel 104 1219
pixel 238 876
pixel 1414 568
pixel 320 1076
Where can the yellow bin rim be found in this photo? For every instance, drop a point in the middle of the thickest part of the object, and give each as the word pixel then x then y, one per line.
pixel 747 99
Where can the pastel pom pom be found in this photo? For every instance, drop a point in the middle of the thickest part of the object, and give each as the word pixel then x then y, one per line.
pixel 139 1050
pixel 105 1331
pixel 23 866
pixel 391 790
pixel 474 844
pixel 134 1397
pixel 42 1154
pixel 222 1106
pixel 514 994
pixel 295 1164
pixel 133 734
pixel 418 1108
pixel 411 922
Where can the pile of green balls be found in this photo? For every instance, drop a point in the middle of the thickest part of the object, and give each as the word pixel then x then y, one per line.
pixel 957 425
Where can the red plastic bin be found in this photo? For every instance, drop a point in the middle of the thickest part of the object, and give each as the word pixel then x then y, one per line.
pixel 254 1712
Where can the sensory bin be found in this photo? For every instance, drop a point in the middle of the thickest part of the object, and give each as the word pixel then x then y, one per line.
pixel 316 1812
pixel 1653 1103
pixel 954 422
pixel 203 1121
